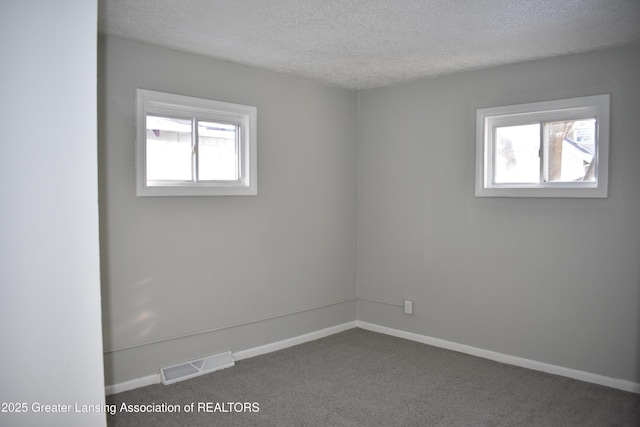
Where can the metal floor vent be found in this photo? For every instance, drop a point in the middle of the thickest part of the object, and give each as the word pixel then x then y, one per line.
pixel 195 368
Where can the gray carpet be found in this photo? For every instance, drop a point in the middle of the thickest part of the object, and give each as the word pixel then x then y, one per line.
pixel 361 378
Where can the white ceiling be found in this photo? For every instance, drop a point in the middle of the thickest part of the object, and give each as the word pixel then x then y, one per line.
pixel 361 44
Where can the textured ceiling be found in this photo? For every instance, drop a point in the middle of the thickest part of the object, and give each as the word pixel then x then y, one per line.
pixel 361 44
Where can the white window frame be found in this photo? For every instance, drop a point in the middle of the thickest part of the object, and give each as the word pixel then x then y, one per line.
pixel 171 105
pixel 487 119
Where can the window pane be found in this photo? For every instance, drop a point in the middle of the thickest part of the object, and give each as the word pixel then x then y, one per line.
pixel 168 149
pixel 571 147
pixel 218 152
pixel 517 154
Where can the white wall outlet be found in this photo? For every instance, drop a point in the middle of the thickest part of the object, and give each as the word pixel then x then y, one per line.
pixel 408 306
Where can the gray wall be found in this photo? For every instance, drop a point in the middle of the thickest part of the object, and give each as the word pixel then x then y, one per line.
pixel 553 280
pixel 50 328
pixel 173 267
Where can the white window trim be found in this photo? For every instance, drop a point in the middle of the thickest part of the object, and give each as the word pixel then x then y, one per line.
pixel 488 118
pixel 245 116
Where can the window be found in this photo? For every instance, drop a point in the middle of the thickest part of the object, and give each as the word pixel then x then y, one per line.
pixel 189 146
pixel 543 149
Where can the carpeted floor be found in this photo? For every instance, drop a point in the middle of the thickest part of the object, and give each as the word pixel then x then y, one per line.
pixel 361 378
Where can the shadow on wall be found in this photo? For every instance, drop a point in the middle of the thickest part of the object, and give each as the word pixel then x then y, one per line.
pixel 102 180
pixel 637 373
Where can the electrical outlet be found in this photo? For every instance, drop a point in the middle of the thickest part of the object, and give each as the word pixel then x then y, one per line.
pixel 408 306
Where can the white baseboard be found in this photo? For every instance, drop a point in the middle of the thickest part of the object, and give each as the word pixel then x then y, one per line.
pixel 436 342
pixel 290 342
pixel 133 384
pixel 239 355
pixel 505 358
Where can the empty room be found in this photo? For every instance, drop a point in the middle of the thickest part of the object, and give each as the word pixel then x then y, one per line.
pixel 321 213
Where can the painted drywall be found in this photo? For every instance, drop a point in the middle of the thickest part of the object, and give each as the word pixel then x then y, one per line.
pixel 50 320
pixel 552 280
pixel 186 277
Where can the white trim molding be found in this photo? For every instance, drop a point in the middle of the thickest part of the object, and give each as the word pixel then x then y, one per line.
pixel 436 342
pixel 133 384
pixel 505 358
pixel 239 355
pixel 290 342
